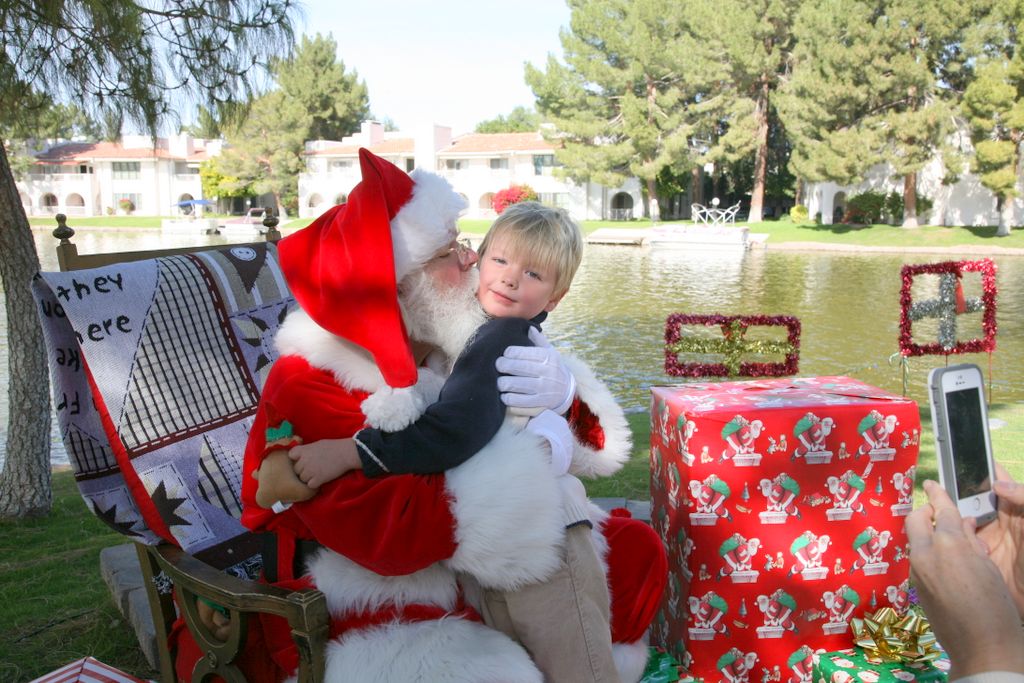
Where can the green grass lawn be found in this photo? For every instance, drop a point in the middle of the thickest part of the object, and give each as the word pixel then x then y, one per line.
pixel 55 607
pixel 887 235
pixel 123 222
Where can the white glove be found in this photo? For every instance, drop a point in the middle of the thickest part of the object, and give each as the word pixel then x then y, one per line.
pixel 535 377
pixel 555 429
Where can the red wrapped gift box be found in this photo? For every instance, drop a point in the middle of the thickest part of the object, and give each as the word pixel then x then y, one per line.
pixel 781 504
pixel 87 669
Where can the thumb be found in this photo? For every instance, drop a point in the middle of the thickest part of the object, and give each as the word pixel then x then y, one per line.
pixel 537 337
pixel 1010 491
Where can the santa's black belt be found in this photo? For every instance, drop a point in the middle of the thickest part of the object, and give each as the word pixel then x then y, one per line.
pixel 303 552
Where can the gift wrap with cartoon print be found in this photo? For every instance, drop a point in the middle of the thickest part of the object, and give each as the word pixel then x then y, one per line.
pixel 853 665
pixel 781 504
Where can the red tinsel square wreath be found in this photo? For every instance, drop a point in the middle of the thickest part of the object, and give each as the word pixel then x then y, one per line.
pixel 987 268
pixel 732 345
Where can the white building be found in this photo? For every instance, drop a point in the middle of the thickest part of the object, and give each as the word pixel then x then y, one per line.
pixel 966 202
pixel 93 178
pixel 476 164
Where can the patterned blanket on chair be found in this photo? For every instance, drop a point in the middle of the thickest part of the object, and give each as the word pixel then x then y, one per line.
pixel 157 368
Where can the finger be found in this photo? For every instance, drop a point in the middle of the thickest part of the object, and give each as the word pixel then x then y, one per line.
pixel 918 526
pixel 518 385
pixel 295 453
pixel 1007 489
pixel 517 400
pixel 937 495
pixel 538 338
pixel 537 354
pixel 1002 474
pixel 946 516
pixel 948 520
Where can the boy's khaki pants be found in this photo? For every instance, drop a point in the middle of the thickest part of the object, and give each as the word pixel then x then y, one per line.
pixel 563 622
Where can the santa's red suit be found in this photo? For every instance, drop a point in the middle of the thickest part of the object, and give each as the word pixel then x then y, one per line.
pixel 401 540
pixel 398 550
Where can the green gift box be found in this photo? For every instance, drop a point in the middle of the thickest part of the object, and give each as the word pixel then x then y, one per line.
pixel 855 666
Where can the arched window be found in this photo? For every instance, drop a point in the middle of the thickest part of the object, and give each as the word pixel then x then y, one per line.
pixel 341 198
pixel 315 200
pixel 74 204
pixel 186 209
pixel 838 207
pixel 48 203
pixel 622 207
pixel 486 201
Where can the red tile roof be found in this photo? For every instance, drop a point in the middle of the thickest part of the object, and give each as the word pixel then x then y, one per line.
pixel 475 143
pixel 383 148
pixel 87 151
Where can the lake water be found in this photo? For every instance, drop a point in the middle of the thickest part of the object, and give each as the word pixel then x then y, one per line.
pixel 614 315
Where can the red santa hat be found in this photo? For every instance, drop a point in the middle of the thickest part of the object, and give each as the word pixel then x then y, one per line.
pixel 344 267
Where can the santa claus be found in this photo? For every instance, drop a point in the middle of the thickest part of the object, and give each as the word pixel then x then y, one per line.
pixel 387 303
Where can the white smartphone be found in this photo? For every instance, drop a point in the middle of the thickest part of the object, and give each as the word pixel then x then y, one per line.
pixel 962 441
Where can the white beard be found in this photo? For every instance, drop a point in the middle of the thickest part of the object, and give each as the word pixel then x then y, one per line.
pixel 441 316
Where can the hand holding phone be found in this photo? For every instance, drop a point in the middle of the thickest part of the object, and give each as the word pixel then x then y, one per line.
pixel 962 441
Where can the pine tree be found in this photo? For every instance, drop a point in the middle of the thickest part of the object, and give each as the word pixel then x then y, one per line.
pixel 113 55
pixel 336 101
pixel 264 154
pixel 877 82
pixel 617 100
pixel 745 47
pixel 994 106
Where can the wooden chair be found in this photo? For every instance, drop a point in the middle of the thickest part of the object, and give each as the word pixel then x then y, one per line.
pixel 99 446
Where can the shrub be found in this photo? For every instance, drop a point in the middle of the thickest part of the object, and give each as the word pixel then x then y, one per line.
pixel 110 211
pixel 894 206
pixel 126 205
pixel 512 195
pixel 865 208
pixel 799 213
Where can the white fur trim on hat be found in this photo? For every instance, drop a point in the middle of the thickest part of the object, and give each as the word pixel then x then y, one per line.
pixel 618 438
pixel 630 660
pixel 392 410
pixel 508 512
pixel 452 650
pixel 425 223
pixel 351 365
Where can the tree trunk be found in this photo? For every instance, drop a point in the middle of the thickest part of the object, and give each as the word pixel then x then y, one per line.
pixel 652 198
pixel 1005 217
pixel 798 196
pixel 697 185
pixel 25 481
pixel 760 153
pixel 910 200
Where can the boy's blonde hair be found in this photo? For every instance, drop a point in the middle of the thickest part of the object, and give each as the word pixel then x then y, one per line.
pixel 543 235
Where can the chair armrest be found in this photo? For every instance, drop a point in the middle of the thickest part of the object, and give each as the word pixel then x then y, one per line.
pixel 305 611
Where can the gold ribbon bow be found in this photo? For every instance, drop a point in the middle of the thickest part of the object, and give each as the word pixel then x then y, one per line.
pixel 889 637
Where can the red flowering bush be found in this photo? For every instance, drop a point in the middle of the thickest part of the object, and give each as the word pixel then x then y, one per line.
pixel 512 195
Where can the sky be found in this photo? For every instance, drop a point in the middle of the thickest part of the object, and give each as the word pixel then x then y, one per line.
pixel 449 62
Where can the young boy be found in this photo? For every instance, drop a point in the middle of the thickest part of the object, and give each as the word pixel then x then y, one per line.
pixel 527 262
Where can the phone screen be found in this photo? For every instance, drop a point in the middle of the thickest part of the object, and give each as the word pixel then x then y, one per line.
pixel 967 440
